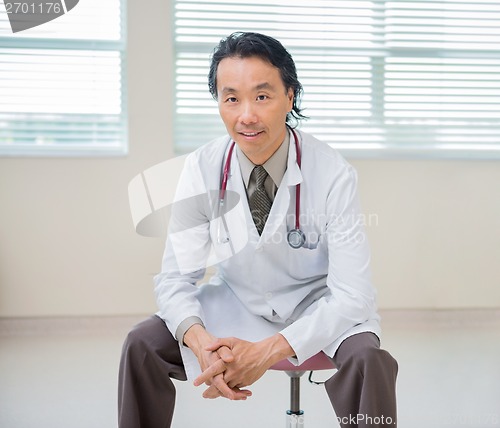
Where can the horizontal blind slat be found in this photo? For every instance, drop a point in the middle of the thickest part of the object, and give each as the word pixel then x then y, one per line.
pixel 62 88
pixel 362 87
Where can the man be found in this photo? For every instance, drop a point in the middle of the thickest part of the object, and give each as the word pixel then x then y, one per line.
pixel 267 301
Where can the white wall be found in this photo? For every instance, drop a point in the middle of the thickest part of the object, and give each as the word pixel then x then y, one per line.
pixel 67 245
pixel 437 242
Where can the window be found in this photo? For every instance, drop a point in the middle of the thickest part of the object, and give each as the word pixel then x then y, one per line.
pixel 62 84
pixel 381 78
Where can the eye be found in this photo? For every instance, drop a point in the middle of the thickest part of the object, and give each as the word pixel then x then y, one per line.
pixel 262 97
pixel 231 100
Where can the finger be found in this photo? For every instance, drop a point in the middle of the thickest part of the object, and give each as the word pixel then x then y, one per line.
pixel 225 353
pixel 214 346
pixel 230 393
pixel 211 393
pixel 210 372
pixel 234 386
pixel 218 382
pixel 225 341
pixel 235 378
pixel 241 394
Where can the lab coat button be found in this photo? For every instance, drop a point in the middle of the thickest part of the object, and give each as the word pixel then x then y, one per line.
pixel 268 295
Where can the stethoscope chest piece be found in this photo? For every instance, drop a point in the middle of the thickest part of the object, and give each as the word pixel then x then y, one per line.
pixel 296 238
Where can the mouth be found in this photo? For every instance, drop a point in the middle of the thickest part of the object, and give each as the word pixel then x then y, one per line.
pixel 252 134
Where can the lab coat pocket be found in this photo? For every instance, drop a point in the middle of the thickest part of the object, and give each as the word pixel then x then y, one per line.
pixel 305 263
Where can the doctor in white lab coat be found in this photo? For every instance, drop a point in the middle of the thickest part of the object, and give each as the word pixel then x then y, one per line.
pixel 266 301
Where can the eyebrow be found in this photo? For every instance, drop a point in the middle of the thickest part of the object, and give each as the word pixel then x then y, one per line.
pixel 264 85
pixel 259 87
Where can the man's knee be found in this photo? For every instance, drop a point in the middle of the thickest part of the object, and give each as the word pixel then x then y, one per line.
pixel 371 357
pixel 364 351
pixel 134 341
pixel 146 334
pixel 150 341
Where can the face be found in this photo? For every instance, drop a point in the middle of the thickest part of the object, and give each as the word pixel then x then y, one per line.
pixel 253 103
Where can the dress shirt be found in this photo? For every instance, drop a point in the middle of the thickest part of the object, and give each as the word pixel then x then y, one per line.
pixel 275 166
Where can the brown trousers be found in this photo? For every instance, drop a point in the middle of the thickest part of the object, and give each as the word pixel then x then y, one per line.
pixel 362 391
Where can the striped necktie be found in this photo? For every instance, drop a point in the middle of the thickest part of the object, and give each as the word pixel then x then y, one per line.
pixel 259 201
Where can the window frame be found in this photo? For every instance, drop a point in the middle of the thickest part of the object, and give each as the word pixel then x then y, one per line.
pixel 68 150
pixel 388 149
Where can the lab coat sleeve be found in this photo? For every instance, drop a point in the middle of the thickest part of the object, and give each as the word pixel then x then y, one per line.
pixel 351 300
pixel 186 250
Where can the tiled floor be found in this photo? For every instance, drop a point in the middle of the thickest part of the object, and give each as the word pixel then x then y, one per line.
pixel 62 374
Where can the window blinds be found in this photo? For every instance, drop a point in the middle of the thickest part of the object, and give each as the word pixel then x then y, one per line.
pixel 62 88
pixel 380 77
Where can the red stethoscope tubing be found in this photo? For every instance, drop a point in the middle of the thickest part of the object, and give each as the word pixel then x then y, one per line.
pixel 225 177
pixel 297 187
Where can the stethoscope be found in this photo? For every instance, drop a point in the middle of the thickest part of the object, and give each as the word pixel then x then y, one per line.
pixel 295 237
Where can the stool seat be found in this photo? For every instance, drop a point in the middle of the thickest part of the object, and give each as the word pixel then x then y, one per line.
pixel 320 361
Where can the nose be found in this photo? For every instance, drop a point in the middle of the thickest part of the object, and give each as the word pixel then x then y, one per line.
pixel 248 115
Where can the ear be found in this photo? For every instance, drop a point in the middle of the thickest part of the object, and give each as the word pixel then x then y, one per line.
pixel 290 97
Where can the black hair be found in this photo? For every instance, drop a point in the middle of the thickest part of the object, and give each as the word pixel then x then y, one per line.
pixel 245 45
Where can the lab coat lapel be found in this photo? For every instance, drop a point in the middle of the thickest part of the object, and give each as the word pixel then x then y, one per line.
pixel 292 177
pixel 235 183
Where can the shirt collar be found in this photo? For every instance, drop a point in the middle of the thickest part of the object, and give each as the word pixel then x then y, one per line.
pixel 275 165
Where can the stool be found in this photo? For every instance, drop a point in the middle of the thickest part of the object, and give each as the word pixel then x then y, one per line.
pixel 320 361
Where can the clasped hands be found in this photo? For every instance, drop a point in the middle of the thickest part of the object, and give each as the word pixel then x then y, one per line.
pixel 229 365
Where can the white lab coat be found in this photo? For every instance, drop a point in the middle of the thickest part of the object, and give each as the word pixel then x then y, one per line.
pixel 315 296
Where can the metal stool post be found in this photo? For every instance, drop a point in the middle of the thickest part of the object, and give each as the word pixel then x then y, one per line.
pixel 295 416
